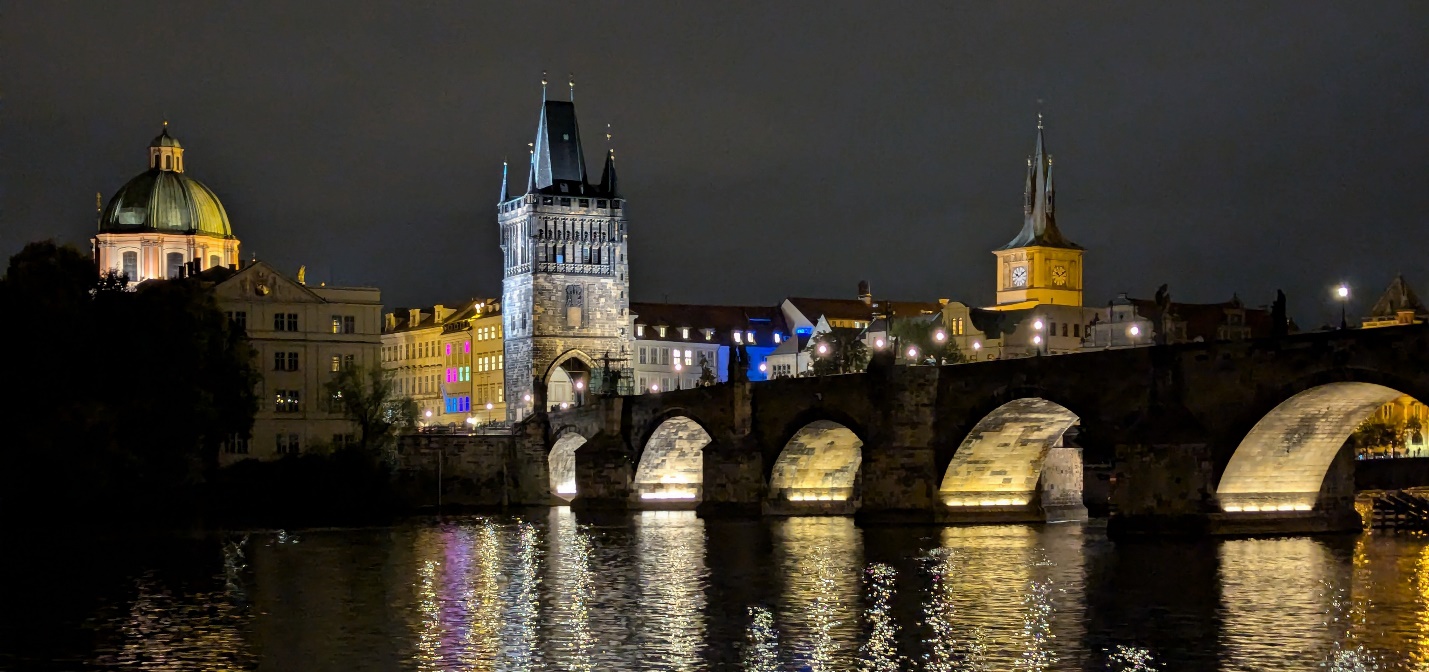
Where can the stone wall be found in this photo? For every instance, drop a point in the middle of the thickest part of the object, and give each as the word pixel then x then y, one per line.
pixel 1060 488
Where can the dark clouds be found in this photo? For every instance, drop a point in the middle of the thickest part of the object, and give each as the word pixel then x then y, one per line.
pixel 767 149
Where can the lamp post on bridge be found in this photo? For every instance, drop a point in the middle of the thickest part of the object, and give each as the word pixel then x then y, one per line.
pixel 1343 294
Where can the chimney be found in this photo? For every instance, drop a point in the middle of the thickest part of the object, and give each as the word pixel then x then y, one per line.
pixel 864 294
pixel 389 322
pixel 414 317
pixel 439 312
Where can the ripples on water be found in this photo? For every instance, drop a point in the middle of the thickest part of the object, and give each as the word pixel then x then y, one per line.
pixel 672 592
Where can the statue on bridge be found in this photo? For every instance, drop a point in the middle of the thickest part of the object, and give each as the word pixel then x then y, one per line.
pixel 738 371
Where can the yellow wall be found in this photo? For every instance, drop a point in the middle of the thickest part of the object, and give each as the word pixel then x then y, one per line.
pixel 1053 276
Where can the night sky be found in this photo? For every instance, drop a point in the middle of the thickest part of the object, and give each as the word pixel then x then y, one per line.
pixel 766 149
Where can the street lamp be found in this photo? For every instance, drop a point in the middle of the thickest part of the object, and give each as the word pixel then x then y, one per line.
pixel 679 382
pixel 913 355
pixel 654 388
pixel 1343 294
pixel 489 406
pixel 1133 331
pixel 823 349
pixel 1037 325
pixel 976 347
pixel 878 343
pixel 940 336
pixel 763 367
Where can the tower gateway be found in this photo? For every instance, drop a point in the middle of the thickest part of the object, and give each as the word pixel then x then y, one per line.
pixel 1039 266
pixel 163 223
pixel 565 291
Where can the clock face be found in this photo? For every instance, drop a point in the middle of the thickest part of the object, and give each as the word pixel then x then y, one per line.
pixel 1019 276
pixel 1059 275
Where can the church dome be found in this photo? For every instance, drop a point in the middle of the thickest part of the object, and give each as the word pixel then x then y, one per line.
pixel 165 200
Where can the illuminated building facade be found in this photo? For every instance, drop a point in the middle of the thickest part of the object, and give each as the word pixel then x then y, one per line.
pixel 674 342
pixel 301 335
pixel 1398 305
pixel 162 223
pixel 449 360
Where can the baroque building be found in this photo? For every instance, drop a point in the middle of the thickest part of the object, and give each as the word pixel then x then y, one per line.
pixel 1039 266
pixel 565 289
pixel 162 223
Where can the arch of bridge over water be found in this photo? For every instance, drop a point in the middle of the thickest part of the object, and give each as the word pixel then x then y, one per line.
pixel 1234 437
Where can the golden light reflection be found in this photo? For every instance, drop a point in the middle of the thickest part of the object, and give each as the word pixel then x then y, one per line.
pixel 880 651
pixel 818 610
pixel 671 549
pixel 574 580
pixel 198 631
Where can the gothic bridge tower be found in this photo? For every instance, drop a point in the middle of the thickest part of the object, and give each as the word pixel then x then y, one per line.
pixel 565 290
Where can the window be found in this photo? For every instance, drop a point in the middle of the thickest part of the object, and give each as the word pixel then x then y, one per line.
pixel 1064 328
pixel 280 360
pixel 349 324
pixel 466 348
pixel 776 338
pixel 449 349
pixel 292 321
pixel 685 333
pixel 280 322
pixel 130 267
pixel 336 324
pixel 343 440
pixel 662 331
pixel 214 261
pixel 237 319
pixel 501 361
pixel 286 401
pixel 236 445
pixel 600 203
pixel 689 358
pixel 585 202
pixel 665 356
pixel 288 444
pixel 1077 330
pixel 292 361
pixel 348 361
pixel 640 331
pixel 566 202
pixel 1051 328
pixel 749 337
pixel 738 337
pixel 336 363
pixel 642 355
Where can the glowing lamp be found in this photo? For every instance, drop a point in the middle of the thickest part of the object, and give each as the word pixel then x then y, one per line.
pixel 1134 330
pixel 912 352
pixel 526 397
pixel 823 349
pixel 564 405
pixel 471 421
pixel 940 336
pixel 1037 325
pixel 878 343
pixel 489 406
pixel 977 345
pixel 580 384
pixel 1343 291
pixel 763 367
pixel 654 388
pixel 429 413
pixel 1037 340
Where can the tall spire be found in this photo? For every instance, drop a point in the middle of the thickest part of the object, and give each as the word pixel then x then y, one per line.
pixel 608 184
pixel 1038 209
pixel 573 87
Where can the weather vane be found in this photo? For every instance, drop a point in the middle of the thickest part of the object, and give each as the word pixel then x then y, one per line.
pixel 573 86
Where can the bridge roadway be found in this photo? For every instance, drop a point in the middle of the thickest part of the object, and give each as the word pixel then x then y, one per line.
pixel 1221 438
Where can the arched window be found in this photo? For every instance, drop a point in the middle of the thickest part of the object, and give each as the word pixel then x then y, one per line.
pixel 130 266
pixel 175 264
pixel 166 162
pixel 214 261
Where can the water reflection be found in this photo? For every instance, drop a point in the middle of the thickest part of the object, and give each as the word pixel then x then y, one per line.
pixel 669 591
pixel 821 560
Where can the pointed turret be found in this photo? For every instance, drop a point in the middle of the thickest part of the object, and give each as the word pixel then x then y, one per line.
pixel 557 157
pixel 505 191
pixel 1040 223
pixel 608 184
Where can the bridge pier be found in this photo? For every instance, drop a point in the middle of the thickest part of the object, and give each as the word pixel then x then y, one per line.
pixel 733 478
pixel 604 473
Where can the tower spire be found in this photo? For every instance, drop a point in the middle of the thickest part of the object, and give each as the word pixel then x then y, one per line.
pixel 505 193
pixel 573 86
pixel 543 86
pixel 1040 223
pixel 556 155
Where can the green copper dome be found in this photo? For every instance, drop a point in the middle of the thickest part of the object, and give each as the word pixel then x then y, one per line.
pixel 164 199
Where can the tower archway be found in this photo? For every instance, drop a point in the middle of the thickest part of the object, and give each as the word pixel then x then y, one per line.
pixel 568 380
pixel 561 464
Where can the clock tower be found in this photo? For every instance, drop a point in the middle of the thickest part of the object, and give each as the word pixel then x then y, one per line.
pixel 1039 266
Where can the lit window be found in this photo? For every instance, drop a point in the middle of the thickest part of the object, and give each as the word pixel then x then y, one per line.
pixel 689 358
pixel 449 349
pixel 684 332
pixel 336 363
pixel 776 337
pixel 738 337
pixel 750 337
pixel 466 348
pixel 662 332
pixel 640 331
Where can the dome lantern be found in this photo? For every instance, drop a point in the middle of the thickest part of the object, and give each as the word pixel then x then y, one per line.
pixel 165 152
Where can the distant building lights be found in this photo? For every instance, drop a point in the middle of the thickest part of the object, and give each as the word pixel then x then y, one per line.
pixel 777 337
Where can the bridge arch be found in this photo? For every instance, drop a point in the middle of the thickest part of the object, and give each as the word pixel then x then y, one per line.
pixel 1015 456
pixel 671 464
pixel 561 463
pixel 1281 464
pixel 819 463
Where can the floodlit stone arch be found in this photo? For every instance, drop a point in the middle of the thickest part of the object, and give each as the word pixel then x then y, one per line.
pixel 1281 464
pixel 819 463
pixel 561 462
pixel 672 463
pixel 1003 460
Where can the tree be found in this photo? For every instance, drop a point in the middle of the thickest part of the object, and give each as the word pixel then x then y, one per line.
pixel 127 394
pixel 837 351
pixel 368 397
pixel 921 333
pixel 1375 435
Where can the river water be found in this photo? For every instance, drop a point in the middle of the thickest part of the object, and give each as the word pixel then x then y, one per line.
pixel 669 591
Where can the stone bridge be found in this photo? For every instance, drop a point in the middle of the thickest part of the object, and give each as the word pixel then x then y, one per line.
pixel 1241 438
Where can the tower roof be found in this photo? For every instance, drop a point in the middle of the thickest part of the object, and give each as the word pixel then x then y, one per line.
pixel 557 158
pixel 1399 296
pixel 1039 226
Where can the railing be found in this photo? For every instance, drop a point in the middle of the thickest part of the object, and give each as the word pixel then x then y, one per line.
pixel 495 427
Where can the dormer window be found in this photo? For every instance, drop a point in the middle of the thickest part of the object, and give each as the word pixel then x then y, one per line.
pixel 738 337
pixel 776 337
pixel 709 334
pixel 750 338
pixel 640 331
pixel 685 333
pixel 662 332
